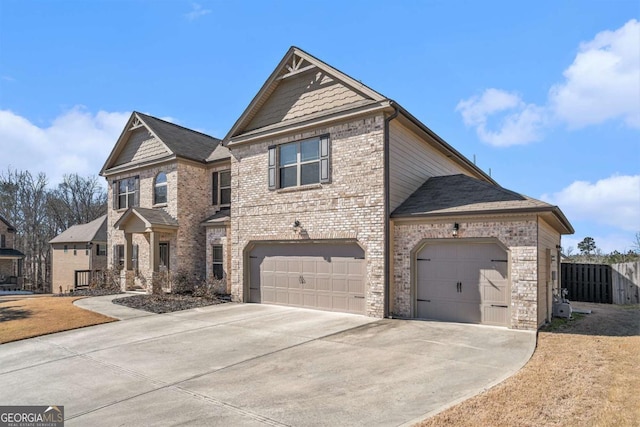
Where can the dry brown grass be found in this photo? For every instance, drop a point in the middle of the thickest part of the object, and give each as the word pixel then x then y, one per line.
pixel 583 373
pixel 27 317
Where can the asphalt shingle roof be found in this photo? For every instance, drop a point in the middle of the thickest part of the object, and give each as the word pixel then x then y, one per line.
pixel 460 194
pixel 95 230
pixel 156 216
pixel 10 253
pixel 183 142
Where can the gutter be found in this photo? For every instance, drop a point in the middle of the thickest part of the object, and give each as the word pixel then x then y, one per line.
pixel 387 201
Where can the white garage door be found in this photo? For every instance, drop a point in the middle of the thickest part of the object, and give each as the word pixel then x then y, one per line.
pixel 323 276
pixel 463 282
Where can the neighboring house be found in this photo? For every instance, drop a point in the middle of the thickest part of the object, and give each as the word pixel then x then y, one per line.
pixel 332 196
pixel 77 254
pixel 10 258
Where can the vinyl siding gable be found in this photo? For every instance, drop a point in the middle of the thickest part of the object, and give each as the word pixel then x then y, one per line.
pixel 298 96
pixel 411 162
pixel 142 145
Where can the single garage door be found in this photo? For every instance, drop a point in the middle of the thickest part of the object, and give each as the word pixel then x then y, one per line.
pixel 463 282
pixel 326 276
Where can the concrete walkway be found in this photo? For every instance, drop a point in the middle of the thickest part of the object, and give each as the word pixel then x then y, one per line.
pixel 253 364
pixel 103 305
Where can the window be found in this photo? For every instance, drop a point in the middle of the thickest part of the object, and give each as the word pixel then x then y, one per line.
pixel 3 241
pixel 87 249
pixel 160 189
pixel 75 251
pixel 118 256
pixel 125 193
pixel 299 163
pixel 218 269
pixel 101 250
pixel 66 248
pixel 163 248
pixel 221 188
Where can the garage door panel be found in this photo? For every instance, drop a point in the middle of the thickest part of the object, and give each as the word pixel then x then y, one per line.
pixel 339 284
pixel 356 305
pixel 463 282
pixel 492 294
pixel 498 316
pixel 356 286
pixel 436 289
pixel 440 310
pixel 324 276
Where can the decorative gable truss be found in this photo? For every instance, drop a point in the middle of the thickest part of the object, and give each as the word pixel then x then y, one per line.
pixel 301 90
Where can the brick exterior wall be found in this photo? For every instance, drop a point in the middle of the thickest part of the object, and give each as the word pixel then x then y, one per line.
pixel 188 201
pixel 518 235
pixel 350 207
pixel 217 235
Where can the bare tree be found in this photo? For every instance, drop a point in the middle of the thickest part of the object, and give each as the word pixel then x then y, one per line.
pixel 39 214
pixel 77 200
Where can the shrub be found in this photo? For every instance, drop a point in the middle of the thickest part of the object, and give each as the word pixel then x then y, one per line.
pixel 211 288
pixel 183 282
pixel 106 280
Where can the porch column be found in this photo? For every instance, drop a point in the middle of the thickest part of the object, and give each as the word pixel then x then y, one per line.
pixel 128 251
pixel 154 255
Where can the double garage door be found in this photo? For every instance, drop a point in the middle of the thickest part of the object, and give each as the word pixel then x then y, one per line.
pixel 324 276
pixel 463 282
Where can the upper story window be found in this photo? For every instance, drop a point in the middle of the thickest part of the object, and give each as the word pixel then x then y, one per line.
pixel 126 193
pixel 101 250
pixel 3 241
pixel 160 189
pixel 221 188
pixel 299 163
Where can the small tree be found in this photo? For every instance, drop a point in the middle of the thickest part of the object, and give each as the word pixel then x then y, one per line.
pixel 587 246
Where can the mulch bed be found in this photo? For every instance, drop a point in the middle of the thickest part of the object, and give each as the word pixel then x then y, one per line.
pixel 89 293
pixel 169 302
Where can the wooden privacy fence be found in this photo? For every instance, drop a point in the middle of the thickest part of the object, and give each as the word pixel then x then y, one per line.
pixel 587 282
pixel 626 283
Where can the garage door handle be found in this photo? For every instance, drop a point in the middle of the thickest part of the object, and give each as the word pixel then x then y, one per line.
pixel 501 306
pixel 358 296
pixel 424 300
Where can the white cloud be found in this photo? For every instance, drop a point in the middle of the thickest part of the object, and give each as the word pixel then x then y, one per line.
pixel 520 123
pixel 613 201
pixel 196 12
pixel 77 141
pixel 602 83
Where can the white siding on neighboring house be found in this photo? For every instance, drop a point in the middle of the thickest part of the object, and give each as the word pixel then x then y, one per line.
pixel 141 146
pixel 411 162
pixel 301 95
pixel 548 238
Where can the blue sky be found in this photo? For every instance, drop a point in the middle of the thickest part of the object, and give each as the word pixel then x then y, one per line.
pixel 546 94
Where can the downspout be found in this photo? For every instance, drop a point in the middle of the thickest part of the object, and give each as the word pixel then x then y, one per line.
pixel 387 213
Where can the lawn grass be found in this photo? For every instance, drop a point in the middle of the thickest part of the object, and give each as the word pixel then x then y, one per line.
pixel 27 317
pixel 584 372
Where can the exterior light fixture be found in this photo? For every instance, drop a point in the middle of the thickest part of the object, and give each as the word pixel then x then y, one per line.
pixel 296 224
pixel 456 227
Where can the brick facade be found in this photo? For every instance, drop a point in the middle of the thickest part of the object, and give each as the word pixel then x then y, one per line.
pixel 519 235
pixel 350 207
pixel 188 201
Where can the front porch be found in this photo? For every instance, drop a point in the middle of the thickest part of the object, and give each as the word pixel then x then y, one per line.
pixel 11 269
pixel 149 239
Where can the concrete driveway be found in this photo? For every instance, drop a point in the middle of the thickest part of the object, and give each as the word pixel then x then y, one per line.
pixel 251 364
